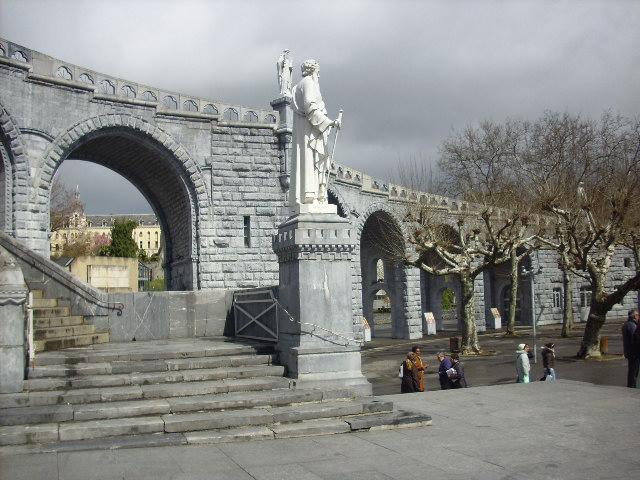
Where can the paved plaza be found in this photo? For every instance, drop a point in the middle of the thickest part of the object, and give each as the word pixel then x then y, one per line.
pixel 563 431
pixel 382 357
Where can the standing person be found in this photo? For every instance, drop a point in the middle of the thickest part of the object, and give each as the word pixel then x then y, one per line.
pixel 549 362
pixel 632 355
pixel 420 367
pixel 457 380
pixel 409 375
pixel 445 364
pixel 523 367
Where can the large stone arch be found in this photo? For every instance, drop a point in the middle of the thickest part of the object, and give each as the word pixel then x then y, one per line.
pixel 158 166
pixel 387 209
pixel 14 173
pixel 381 237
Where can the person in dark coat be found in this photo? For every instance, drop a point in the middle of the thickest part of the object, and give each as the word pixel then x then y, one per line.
pixel 410 382
pixel 630 353
pixel 445 364
pixel 549 362
pixel 457 380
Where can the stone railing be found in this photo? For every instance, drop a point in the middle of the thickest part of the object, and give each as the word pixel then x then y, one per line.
pixel 62 280
pixel 42 68
pixel 368 184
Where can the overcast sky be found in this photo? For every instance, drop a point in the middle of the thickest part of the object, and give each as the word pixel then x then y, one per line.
pixel 406 73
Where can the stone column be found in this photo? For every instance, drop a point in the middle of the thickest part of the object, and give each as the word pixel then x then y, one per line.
pixel 412 303
pixel 318 346
pixel 13 296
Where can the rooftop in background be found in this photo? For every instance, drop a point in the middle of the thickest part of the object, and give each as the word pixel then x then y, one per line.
pixel 143 219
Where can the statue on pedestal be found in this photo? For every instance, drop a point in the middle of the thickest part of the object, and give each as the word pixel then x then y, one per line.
pixel 284 67
pixel 310 159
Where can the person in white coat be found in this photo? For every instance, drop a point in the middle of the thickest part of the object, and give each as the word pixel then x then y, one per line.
pixel 523 367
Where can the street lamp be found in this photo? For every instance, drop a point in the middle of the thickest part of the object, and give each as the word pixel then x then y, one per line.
pixel 532 274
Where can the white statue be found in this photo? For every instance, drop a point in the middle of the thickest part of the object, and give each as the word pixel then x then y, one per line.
pixel 310 158
pixel 285 72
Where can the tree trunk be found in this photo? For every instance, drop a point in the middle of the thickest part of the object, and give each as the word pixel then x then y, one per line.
pixel 567 306
pixel 601 303
pixel 470 342
pixel 513 296
pixel 590 345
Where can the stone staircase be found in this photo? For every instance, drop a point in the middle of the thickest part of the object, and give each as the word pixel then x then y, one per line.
pixel 54 327
pixel 175 392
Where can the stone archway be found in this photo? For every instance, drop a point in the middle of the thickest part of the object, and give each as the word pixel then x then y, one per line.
pixel 158 166
pixel 14 173
pixel 381 239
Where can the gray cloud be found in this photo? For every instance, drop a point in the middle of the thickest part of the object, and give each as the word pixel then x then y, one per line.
pixel 405 73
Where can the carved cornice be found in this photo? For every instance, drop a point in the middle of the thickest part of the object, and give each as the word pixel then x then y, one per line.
pixel 311 238
pixel 13 295
pixel 327 252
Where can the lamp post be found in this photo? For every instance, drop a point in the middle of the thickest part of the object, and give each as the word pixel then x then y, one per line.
pixel 532 274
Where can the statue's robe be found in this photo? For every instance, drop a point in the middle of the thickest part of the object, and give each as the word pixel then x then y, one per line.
pixel 311 128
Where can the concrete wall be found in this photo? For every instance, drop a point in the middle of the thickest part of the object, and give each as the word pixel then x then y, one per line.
pixel 109 274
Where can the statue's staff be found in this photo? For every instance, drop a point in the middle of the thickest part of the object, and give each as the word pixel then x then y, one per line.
pixel 333 150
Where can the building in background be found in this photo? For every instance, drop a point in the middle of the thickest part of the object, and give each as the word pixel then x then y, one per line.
pixel 147 235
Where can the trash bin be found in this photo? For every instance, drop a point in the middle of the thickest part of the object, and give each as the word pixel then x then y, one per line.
pixel 604 345
pixel 454 344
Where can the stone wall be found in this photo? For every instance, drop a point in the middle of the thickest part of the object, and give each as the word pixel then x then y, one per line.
pixel 215 175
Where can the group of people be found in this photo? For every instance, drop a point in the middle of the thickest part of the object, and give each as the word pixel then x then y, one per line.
pixel 523 366
pixel 450 372
pixel 631 346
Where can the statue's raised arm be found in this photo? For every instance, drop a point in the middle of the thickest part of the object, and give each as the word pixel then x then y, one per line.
pixel 310 158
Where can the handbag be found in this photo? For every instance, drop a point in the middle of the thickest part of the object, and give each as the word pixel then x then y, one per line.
pixel 401 371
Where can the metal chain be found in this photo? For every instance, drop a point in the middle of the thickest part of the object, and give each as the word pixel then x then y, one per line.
pixel 348 340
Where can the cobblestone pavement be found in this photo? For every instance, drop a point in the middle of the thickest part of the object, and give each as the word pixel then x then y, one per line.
pixel 382 357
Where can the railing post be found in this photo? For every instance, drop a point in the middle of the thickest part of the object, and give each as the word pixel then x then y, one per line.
pixel 30 341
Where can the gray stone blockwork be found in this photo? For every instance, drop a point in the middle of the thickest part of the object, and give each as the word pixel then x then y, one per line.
pixel 216 177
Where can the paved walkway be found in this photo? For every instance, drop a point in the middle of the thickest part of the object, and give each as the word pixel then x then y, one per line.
pixel 567 430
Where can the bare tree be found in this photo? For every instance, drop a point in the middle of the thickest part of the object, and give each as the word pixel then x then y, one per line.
pixel 585 175
pixel 476 167
pixel 64 203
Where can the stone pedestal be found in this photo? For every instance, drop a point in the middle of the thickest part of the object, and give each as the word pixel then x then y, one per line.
pixel 13 296
pixel 318 346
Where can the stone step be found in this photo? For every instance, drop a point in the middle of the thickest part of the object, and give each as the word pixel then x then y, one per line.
pixel 307 428
pixel 120 367
pixel 382 421
pixel 72 341
pixel 58 321
pixel 189 422
pixel 84 380
pixel 63 332
pixel 240 400
pixel 150 419
pixel 47 312
pixel 109 428
pixel 107 410
pixel 152 430
pixel 138 351
pixel 137 392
